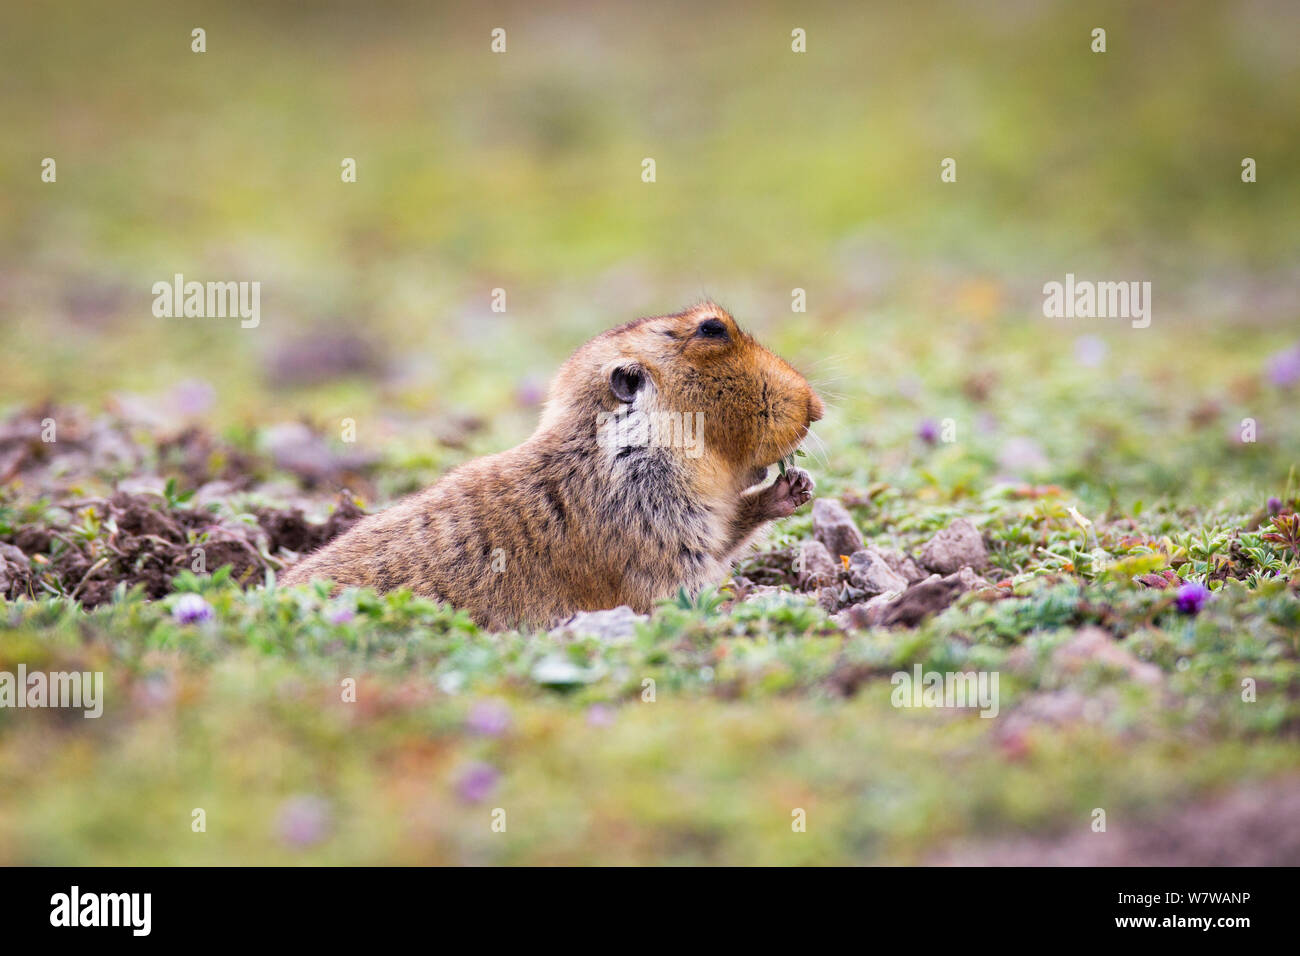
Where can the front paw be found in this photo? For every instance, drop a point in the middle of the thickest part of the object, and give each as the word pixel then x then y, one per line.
pixel 788 492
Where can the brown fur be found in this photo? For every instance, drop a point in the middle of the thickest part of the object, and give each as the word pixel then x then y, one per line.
pixel 567 522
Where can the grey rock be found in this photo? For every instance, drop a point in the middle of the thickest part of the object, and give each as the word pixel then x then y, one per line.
pixel 956 546
pixel 869 571
pixel 14 568
pixel 833 526
pixel 866 614
pixel 918 602
pixel 968 579
pixel 613 625
pixel 902 565
pixel 815 565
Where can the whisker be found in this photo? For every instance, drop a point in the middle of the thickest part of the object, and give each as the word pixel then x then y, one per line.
pixel 832 395
pixel 819 448
pixel 828 358
pixel 821 382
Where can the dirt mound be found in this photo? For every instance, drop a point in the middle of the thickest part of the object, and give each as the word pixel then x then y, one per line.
pixel 147 540
pixel 163 505
pixel 289 529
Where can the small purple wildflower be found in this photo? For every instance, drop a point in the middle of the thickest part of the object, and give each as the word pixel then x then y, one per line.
pixel 303 820
pixel 928 431
pixel 1191 597
pixel 1284 367
pixel 340 615
pixel 193 397
pixel 1274 506
pixel 191 609
pixel 1090 351
pixel 531 392
pixel 477 782
pixel 491 718
pixel 600 715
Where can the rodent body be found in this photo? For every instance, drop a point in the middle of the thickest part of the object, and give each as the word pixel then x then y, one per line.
pixel 598 507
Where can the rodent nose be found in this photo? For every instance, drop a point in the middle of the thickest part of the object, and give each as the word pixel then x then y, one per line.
pixel 815 408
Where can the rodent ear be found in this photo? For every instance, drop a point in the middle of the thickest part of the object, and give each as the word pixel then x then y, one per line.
pixel 625 381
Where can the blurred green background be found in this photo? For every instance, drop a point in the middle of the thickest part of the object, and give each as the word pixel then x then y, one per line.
pixel 776 171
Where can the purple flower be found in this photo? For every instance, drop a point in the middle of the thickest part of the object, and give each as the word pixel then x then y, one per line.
pixel 600 715
pixel 193 397
pixel 477 782
pixel 1274 506
pixel 303 820
pixel 1284 367
pixel 491 718
pixel 191 609
pixel 340 615
pixel 531 392
pixel 928 431
pixel 1191 597
pixel 1090 351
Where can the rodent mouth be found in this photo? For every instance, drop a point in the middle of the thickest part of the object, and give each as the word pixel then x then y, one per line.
pixel 788 455
pixel 797 445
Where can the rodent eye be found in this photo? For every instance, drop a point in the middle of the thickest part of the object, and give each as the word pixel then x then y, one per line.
pixel 712 329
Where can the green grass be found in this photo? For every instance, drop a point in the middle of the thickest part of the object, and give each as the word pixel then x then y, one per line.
pixel 748 722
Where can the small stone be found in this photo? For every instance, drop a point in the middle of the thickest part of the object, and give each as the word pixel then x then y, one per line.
pixel 828 599
pixel 14 570
pixel 902 565
pixel 833 526
pixel 968 580
pixel 1160 581
pixel 816 567
pixel 955 546
pixel 869 571
pixel 928 597
pixel 614 625
pixel 864 615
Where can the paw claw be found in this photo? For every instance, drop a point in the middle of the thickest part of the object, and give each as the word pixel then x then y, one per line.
pixel 789 492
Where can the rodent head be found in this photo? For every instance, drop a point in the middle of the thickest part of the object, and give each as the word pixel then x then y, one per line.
pixel 695 366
